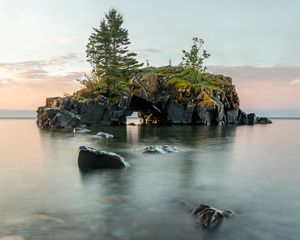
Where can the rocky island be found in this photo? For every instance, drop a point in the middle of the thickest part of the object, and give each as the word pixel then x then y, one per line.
pixel 161 96
pixel 118 86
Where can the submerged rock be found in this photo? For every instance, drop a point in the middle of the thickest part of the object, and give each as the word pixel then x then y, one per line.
pixel 161 149
pixel 209 217
pixel 104 135
pixel 90 158
pixel 82 130
pixel 263 120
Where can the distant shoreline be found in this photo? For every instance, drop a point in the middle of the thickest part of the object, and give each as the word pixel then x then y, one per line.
pixel 14 117
pixel 285 118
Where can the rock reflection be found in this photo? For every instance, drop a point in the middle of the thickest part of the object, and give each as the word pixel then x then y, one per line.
pixel 133 134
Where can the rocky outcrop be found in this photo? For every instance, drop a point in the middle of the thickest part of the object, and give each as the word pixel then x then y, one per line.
pixel 209 217
pixel 67 112
pixel 89 158
pixel 158 101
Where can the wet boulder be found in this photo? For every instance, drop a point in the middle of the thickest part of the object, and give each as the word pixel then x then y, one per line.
pixel 209 217
pixel 161 149
pixel 104 135
pixel 90 158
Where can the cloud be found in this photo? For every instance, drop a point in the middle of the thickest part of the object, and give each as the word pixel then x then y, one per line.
pixel 264 88
pixel 295 81
pixel 26 84
pixel 39 69
pixel 31 94
pixel 259 75
pixel 65 40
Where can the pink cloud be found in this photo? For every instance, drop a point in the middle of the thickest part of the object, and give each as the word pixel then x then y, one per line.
pixel 26 85
pixel 265 88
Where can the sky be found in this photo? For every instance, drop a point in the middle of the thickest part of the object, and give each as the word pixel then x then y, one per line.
pixel 256 42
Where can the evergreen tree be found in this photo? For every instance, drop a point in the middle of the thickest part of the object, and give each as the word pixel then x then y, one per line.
pixel 107 51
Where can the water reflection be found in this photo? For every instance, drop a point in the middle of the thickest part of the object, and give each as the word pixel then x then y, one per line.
pixel 133 134
pixel 43 195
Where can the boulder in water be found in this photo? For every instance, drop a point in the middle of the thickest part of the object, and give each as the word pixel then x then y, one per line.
pixel 209 217
pixel 161 149
pixel 90 158
pixel 104 135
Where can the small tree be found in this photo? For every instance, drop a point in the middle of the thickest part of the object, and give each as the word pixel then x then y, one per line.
pixel 194 58
pixel 107 51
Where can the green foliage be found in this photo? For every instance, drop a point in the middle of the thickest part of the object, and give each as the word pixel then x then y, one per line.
pixel 194 58
pixel 96 87
pixel 113 65
pixel 107 51
pixel 185 78
pixel 179 83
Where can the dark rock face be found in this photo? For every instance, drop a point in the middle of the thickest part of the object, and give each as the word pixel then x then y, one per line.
pixel 179 114
pixel 242 118
pixel 90 158
pixel 67 112
pixel 251 118
pixel 157 103
pixel 91 113
pixel 232 116
pixel 209 217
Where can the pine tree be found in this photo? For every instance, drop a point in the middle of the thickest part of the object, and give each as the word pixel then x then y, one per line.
pixel 107 51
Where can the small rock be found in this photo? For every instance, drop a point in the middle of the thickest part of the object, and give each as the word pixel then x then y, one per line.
pixel 209 217
pixel 90 158
pixel 153 149
pixel 263 120
pixel 104 135
pixel 170 149
pixel 161 149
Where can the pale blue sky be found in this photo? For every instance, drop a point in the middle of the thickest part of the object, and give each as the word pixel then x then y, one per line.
pixel 237 32
pixel 42 44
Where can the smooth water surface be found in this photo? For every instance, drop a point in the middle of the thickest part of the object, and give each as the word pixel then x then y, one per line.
pixel 251 170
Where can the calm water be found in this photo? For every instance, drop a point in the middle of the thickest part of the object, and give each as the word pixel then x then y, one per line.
pixel 253 171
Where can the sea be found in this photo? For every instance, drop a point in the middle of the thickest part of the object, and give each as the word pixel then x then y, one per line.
pixel 250 170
